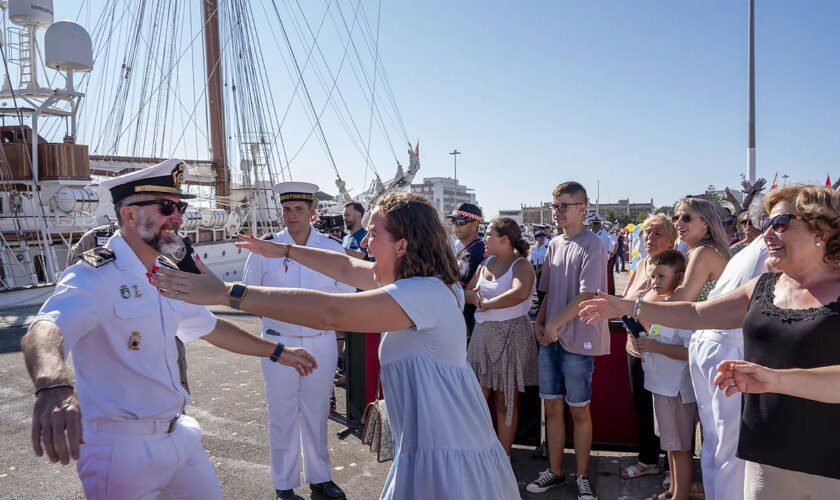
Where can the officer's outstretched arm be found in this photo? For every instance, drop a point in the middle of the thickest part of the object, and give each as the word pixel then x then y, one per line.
pixel 232 338
pixel 56 420
pixel 340 267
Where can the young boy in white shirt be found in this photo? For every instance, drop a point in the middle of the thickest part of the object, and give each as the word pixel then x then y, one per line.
pixel 665 361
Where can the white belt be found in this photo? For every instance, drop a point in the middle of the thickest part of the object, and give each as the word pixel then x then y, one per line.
pixel 722 339
pixel 134 426
pixel 275 333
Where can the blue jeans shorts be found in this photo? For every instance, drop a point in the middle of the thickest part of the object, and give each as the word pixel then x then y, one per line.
pixel 564 374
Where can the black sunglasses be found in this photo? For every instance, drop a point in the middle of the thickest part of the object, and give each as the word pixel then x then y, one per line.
pixel 779 223
pixel 167 207
pixel 686 218
pixel 561 207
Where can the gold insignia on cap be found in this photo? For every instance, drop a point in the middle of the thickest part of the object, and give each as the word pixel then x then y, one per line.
pixel 134 341
pixel 178 175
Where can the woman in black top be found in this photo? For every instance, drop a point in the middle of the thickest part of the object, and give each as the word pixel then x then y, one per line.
pixel 791 321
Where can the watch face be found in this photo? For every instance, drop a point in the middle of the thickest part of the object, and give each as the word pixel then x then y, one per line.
pixel 237 291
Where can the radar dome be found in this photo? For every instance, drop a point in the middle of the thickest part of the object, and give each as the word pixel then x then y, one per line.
pixel 67 46
pixel 31 12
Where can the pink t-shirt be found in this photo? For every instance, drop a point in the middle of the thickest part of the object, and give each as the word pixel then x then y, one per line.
pixel 572 266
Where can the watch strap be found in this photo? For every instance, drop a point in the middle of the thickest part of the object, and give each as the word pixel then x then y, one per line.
pixel 278 350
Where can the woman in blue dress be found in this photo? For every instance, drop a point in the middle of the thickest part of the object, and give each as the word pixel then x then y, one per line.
pixel 445 445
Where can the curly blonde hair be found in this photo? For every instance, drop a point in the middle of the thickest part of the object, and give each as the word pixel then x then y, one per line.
pixel 819 206
pixel 412 218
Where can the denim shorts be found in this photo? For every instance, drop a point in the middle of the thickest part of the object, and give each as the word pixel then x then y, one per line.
pixel 564 374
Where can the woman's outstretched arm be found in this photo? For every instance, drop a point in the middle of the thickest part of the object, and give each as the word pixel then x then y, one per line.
pixel 724 312
pixel 371 311
pixel 340 267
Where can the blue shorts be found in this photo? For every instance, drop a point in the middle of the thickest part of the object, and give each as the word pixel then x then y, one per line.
pixel 564 374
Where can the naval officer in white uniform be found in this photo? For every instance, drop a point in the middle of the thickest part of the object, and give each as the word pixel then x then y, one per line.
pixel 123 420
pixel 298 408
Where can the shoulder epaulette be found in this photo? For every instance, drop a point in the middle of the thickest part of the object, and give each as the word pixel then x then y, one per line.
pixel 98 257
pixel 268 236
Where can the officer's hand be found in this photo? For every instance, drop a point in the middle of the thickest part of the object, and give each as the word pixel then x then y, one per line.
pixel 260 247
pixel 299 359
pixel 57 424
pixel 202 289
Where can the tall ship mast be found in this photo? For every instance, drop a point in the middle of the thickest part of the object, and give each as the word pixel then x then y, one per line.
pixel 79 106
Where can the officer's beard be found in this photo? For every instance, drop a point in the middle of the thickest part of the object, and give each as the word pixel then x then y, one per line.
pixel 155 237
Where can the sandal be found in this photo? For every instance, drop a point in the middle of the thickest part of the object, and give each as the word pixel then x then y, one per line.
pixel 662 496
pixel 639 469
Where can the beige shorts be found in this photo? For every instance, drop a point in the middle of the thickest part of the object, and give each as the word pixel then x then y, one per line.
pixel 674 422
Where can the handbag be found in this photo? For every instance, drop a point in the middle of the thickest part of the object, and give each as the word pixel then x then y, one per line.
pixel 377 428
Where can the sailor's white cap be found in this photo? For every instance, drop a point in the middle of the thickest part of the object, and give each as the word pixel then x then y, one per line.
pixel 164 178
pixel 296 191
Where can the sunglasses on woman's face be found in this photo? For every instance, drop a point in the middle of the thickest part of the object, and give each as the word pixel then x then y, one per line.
pixel 686 218
pixel 167 207
pixel 779 223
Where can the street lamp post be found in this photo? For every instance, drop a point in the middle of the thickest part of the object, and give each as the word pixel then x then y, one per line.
pixel 751 92
pixel 455 154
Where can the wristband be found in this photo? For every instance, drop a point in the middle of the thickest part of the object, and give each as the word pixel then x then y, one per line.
pixel 56 386
pixel 278 350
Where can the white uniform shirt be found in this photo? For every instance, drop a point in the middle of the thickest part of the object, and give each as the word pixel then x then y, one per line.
pixel 538 253
pixel 668 376
pixel 100 310
pixel 746 265
pixel 261 271
pixel 605 237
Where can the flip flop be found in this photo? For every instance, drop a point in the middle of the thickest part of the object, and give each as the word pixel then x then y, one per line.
pixel 662 496
pixel 634 471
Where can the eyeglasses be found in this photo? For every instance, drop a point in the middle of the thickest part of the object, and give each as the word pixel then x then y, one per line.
pixel 779 223
pixel 686 218
pixel 460 223
pixel 745 222
pixel 561 207
pixel 167 207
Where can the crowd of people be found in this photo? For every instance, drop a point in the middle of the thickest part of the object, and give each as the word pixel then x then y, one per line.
pixel 720 303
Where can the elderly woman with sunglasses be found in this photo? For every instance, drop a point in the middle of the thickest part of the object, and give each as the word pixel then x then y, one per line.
pixel 747 230
pixel 791 372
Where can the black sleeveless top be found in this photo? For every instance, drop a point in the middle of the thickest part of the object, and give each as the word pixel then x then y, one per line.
pixel 785 431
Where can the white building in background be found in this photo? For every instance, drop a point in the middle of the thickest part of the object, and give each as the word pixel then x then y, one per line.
pixel 445 193
pixel 513 214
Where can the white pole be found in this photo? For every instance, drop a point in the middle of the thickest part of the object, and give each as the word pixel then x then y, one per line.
pixel 751 91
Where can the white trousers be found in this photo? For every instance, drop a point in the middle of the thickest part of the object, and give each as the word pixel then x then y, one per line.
pixel 298 409
pixel 126 466
pixel 720 416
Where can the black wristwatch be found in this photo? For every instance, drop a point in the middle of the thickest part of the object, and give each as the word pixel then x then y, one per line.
pixel 278 350
pixel 236 294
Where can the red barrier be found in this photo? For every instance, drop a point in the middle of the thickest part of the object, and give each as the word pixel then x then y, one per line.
pixel 614 419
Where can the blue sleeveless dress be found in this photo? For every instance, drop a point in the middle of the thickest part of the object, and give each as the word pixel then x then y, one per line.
pixel 445 446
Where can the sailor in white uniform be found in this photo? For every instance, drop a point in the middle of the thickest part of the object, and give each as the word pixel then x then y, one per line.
pixel 298 408
pixel 124 419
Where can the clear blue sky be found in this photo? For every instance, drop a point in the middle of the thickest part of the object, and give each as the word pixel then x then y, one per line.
pixel 650 97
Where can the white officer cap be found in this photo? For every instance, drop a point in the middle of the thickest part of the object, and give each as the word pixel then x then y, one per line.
pixel 164 178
